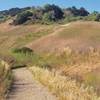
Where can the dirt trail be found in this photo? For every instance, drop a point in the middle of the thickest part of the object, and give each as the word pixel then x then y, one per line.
pixel 25 88
pixel 47 37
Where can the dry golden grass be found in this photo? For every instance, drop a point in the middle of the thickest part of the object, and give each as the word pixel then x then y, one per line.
pixel 78 35
pixel 5 81
pixel 82 62
pixel 76 76
pixel 63 87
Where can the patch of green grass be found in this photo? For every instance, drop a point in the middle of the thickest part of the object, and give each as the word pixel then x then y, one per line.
pixel 49 60
pixel 64 61
pixel 25 58
pixel 56 60
pixel 30 37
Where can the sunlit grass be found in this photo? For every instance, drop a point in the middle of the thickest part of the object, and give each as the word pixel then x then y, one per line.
pixel 63 87
pixel 5 81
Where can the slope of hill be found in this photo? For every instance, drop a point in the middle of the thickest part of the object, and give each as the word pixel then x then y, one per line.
pixel 17 36
pixel 78 36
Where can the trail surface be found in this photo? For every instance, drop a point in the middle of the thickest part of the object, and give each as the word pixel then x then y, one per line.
pixel 25 88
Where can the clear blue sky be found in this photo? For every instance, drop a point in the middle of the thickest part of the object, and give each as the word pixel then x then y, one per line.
pixel 91 5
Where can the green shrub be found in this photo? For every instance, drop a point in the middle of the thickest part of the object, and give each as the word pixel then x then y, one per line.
pixel 55 10
pixel 22 17
pixel 23 50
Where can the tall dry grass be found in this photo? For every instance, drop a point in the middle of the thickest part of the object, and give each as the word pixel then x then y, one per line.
pixel 63 87
pixel 5 81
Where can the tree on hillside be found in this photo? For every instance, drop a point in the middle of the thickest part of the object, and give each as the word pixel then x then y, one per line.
pixel 47 7
pixel 57 11
pixel 22 17
pixel 14 11
pixel 83 12
pixel 38 12
pixel 48 17
pixel 77 12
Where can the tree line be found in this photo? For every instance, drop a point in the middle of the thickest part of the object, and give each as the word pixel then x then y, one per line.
pixel 48 14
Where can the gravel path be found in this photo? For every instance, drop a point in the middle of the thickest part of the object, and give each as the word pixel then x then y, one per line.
pixel 25 88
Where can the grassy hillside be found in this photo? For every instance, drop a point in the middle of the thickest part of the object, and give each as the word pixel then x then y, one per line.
pixel 78 36
pixel 71 50
pixel 83 67
pixel 18 36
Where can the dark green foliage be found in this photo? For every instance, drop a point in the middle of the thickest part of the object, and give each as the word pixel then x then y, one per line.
pixel 77 12
pixel 22 17
pixel 4 12
pixel 11 12
pixel 48 14
pixel 14 11
pixel 83 12
pixel 37 14
pixel 56 11
pixel 23 50
pixel 48 17
pixel 26 8
pixel 18 65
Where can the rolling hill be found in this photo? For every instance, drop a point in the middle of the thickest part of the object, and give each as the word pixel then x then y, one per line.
pixel 78 36
pixel 17 36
